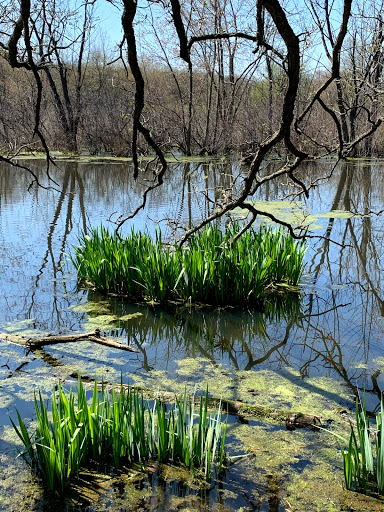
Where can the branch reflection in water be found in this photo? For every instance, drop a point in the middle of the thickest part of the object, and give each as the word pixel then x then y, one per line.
pixel 334 330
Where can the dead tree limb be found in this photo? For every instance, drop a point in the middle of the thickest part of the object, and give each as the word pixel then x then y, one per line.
pixel 95 336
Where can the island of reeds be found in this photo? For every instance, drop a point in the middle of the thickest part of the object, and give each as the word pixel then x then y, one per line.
pixel 119 428
pixel 210 269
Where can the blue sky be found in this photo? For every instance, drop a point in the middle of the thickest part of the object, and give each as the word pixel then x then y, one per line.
pixel 110 20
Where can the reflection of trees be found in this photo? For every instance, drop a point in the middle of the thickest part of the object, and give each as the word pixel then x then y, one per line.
pixel 309 341
pixel 46 236
pixel 334 342
pixel 238 336
pixel 357 265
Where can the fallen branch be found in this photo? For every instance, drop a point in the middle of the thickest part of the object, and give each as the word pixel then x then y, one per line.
pixel 244 410
pixel 37 343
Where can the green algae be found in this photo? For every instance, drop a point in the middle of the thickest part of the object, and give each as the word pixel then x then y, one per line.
pixel 300 464
pixel 337 214
pixel 272 449
pixel 379 362
pixel 17 325
pixel 284 390
pixel 307 466
pixel 102 322
pixel 23 328
pixel 319 488
pixel 190 374
pixel 275 453
pixel 99 308
pixel 132 316
pixel 23 386
pixel 295 213
pixel 99 315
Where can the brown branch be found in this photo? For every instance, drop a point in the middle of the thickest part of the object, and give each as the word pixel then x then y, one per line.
pixel 222 35
pixel 293 73
pixel 127 20
pixel 95 336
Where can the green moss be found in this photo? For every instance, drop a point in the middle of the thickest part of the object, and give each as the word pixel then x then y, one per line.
pixel 102 322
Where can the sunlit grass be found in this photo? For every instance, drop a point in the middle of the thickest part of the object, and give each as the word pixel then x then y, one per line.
pixel 364 456
pixel 210 269
pixel 119 428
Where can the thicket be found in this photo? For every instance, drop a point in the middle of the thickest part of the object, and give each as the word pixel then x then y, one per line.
pixel 107 104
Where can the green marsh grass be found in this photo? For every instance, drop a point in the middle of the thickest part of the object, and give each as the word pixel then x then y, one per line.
pixel 364 456
pixel 119 428
pixel 209 270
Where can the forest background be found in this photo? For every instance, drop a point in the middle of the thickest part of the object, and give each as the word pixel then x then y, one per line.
pixel 230 99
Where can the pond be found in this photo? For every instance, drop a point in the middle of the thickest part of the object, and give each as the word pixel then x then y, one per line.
pixel 306 354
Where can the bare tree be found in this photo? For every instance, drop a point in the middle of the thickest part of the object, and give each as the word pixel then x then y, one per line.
pixel 359 85
pixel 61 47
pixel 285 47
pixel 274 38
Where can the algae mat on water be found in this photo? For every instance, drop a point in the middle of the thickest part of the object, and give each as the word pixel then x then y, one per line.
pixel 295 213
pixel 297 471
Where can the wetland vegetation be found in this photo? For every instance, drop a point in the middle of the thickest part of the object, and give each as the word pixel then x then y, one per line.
pixel 119 427
pixel 305 353
pixel 286 96
pixel 215 268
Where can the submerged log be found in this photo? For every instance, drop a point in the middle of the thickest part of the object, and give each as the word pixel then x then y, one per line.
pixel 300 420
pixel 241 409
pixel 36 343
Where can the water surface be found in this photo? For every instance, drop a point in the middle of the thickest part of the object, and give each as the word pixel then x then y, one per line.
pixel 327 343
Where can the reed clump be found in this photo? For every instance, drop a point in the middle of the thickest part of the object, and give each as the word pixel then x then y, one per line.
pixel 209 270
pixel 119 428
pixel 364 456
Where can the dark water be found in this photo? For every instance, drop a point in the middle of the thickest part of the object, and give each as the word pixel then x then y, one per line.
pixel 335 330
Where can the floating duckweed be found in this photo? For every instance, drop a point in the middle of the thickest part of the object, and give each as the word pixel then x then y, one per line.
pixel 101 308
pixel 378 362
pixel 17 325
pixel 295 213
pixel 272 448
pixel 100 322
pixel 23 328
pixel 189 366
pixel 132 316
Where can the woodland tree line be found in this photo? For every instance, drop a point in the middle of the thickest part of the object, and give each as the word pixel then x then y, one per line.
pixel 231 99
pixel 262 78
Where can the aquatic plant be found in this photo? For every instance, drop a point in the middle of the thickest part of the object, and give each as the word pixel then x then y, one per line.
pixel 364 457
pixel 210 269
pixel 119 428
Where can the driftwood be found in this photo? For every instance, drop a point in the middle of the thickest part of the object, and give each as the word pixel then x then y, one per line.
pixel 36 343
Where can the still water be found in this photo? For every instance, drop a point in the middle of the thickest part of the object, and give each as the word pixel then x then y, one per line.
pixel 330 339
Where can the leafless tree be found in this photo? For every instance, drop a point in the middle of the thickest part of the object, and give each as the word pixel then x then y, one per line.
pixel 276 39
